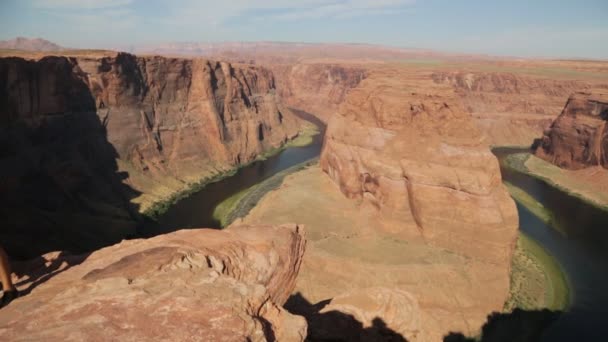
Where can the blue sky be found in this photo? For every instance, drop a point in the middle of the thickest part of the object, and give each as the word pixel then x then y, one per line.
pixel 544 28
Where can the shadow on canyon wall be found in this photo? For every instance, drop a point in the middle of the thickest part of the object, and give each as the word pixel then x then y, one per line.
pixel 337 326
pixel 517 326
pixel 60 187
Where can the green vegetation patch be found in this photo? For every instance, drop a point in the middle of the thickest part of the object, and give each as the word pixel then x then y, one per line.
pixel 161 207
pixel 535 207
pixel 239 204
pixel 304 138
pixel 537 280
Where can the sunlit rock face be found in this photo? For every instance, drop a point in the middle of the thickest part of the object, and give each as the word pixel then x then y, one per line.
pixel 87 142
pixel 407 147
pixel 317 88
pixel 190 285
pixel 511 108
pixel 578 138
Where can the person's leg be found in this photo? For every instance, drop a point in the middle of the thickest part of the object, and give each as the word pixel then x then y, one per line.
pixel 5 272
pixel 10 292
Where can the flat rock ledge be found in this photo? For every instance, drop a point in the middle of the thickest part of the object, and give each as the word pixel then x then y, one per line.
pixel 190 285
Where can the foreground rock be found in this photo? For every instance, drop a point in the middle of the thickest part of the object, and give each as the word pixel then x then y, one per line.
pixel 578 138
pixel 89 141
pixel 191 285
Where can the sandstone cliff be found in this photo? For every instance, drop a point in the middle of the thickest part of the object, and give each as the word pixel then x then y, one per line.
pixel 316 87
pixel 578 138
pixel 406 146
pixel 89 141
pixel 510 108
pixel 191 285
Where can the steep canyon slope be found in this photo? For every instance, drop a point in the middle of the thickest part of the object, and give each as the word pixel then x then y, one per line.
pixel 578 138
pixel 408 148
pixel 88 141
pixel 317 88
pixel 511 108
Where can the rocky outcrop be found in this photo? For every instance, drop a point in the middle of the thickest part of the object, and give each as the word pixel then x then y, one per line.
pixel 509 108
pixel 316 88
pixel 87 142
pixel 406 147
pixel 191 285
pixel 578 138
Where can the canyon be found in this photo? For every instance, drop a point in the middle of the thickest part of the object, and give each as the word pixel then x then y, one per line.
pixel 402 230
pixel 89 142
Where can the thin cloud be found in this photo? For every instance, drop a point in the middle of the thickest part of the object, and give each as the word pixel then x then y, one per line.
pixel 189 11
pixel 79 4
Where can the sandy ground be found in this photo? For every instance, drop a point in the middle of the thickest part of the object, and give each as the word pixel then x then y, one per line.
pixel 346 250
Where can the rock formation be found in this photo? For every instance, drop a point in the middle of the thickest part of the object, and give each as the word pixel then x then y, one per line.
pixel 424 244
pixel 578 138
pixel 190 285
pixel 408 148
pixel 510 108
pixel 316 87
pixel 87 137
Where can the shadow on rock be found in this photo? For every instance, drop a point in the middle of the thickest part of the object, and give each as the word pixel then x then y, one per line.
pixel 338 326
pixel 519 325
pixel 60 185
pixel 34 272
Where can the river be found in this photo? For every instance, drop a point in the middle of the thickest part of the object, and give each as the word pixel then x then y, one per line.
pixel 582 252
pixel 197 210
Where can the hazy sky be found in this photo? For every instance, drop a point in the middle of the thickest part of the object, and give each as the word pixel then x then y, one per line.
pixel 558 28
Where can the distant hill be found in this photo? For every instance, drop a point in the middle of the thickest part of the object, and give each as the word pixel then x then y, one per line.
pixel 29 44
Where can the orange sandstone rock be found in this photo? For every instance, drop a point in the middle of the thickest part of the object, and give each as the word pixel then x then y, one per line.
pixel 407 147
pixel 191 285
pixel 578 138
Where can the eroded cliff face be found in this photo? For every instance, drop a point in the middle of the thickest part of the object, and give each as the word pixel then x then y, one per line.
pixel 578 138
pixel 315 87
pixel 510 109
pixel 87 142
pixel 190 285
pixel 406 146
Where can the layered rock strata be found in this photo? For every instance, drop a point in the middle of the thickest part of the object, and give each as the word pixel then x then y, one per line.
pixel 578 138
pixel 190 285
pixel 316 87
pixel 510 108
pixel 410 150
pixel 87 142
